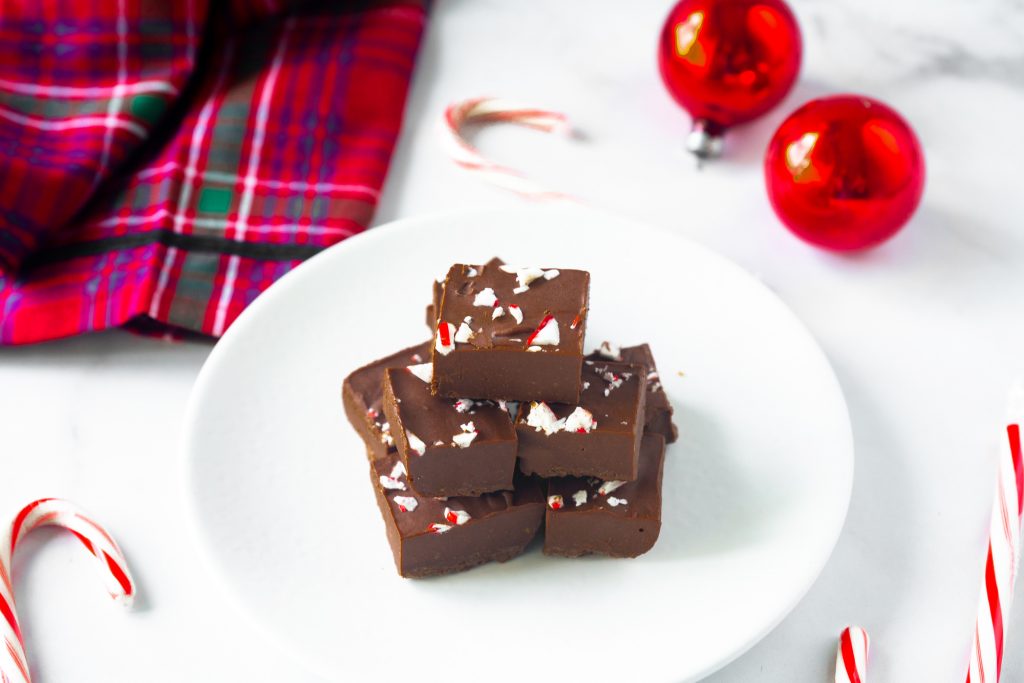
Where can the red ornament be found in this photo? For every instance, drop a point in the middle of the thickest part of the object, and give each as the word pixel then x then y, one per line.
pixel 844 172
pixel 727 62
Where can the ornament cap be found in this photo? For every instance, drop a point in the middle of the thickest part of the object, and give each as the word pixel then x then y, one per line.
pixel 705 141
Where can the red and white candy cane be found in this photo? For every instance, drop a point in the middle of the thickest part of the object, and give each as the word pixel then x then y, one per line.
pixel 495 110
pixel 1003 556
pixel 60 513
pixel 852 656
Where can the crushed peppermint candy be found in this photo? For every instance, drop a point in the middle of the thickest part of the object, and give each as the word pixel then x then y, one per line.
pixel 445 342
pixel 580 421
pixel 613 380
pixel 471 272
pixel 391 483
pixel 653 381
pixel 372 413
pixel 497 312
pixel 385 434
pixel 466 437
pixel 555 502
pixel 406 503
pixel 417 358
pixel 610 351
pixel 438 528
pixel 463 405
pixel 524 276
pixel 546 333
pixel 542 418
pixel 534 349
pixel 425 371
pixel 485 297
pixel 456 516
pixel 615 502
pixel 586 385
pixel 516 312
pixel 609 486
pixel 577 320
pixel 580 497
pixel 439 443
pixel 464 334
pixel 415 443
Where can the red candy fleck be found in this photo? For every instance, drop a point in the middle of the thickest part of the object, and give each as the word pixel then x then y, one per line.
pixel 576 321
pixel 540 327
pixel 446 339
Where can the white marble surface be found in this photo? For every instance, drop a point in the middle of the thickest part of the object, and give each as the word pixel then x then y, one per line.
pixel 925 333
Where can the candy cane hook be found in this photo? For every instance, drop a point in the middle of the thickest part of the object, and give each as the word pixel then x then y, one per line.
pixel 852 656
pixel 60 513
pixel 490 110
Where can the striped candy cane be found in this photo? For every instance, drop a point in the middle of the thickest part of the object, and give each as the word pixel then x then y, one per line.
pixel 60 513
pixel 491 110
pixel 1003 553
pixel 852 656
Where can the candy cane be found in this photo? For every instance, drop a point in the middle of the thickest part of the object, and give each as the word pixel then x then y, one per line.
pixel 53 512
pixel 490 110
pixel 852 656
pixel 1003 555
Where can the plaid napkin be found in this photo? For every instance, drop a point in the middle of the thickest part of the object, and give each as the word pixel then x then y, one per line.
pixel 163 162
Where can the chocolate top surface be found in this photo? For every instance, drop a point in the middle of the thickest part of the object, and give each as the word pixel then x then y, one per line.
pixel 438 288
pixel 366 384
pixel 610 393
pixel 437 419
pixel 481 296
pixel 640 354
pixel 418 516
pixel 640 497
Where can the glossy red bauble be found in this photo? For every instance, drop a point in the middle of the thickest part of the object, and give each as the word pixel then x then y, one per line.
pixel 844 172
pixel 727 62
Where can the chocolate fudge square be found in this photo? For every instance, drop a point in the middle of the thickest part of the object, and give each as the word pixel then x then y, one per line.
pixel 438 290
pixel 511 333
pixel 598 437
pixel 362 394
pixel 658 411
pixel 450 447
pixel 429 536
pixel 616 518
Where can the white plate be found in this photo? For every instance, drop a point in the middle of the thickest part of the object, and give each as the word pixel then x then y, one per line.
pixel 755 490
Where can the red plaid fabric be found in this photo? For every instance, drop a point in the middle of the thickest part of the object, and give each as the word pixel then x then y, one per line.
pixel 164 162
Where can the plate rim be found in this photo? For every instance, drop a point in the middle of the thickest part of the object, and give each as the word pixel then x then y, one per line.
pixel 202 547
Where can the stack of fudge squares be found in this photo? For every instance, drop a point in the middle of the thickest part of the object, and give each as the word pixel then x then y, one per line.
pixel 500 426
